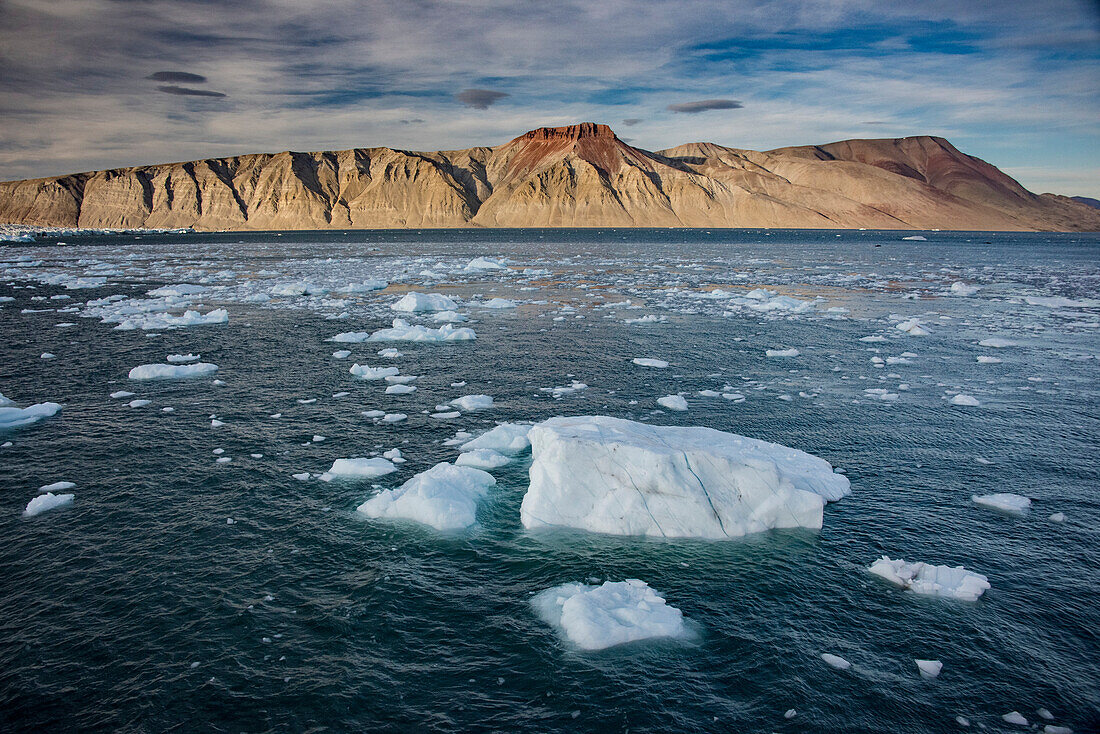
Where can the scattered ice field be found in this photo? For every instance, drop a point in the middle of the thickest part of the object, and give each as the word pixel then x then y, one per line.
pixel 281 481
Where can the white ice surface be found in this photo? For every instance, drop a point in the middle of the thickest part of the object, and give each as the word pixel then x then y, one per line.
pixel 929 668
pixel 12 417
pixel 649 362
pixel 929 580
pixel 673 402
pixel 361 468
pixel 172 371
pixel 366 372
pixel 620 477
pixel 482 459
pixel 1013 504
pixel 414 302
pixel 507 438
pixel 835 661
pixel 44 502
pixel 472 403
pixel 403 331
pixel 613 613
pixel 444 497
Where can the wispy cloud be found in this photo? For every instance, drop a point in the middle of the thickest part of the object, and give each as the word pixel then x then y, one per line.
pixel 703 105
pixel 479 99
pixel 188 91
pixel 180 77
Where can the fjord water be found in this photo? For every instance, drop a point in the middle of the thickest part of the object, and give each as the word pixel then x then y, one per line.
pixel 140 608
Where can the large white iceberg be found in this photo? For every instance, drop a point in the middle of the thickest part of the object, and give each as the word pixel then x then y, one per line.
pixel 413 302
pixel 614 613
pixel 444 497
pixel 172 371
pixel 620 477
pixel 924 578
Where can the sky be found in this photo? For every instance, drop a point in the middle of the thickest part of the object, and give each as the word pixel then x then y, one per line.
pixel 91 84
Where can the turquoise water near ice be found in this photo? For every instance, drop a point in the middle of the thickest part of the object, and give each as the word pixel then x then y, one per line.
pixel 138 608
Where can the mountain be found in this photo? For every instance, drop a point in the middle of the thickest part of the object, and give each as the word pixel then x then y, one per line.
pixel 1087 201
pixel 575 176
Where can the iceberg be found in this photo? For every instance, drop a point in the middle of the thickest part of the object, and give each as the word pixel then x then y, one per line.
pixel 44 502
pixel 12 417
pixel 183 358
pixel 613 613
pixel 479 264
pixel 444 497
pixel 615 476
pixel 965 400
pixel 179 290
pixel 360 468
pixel 924 578
pixel 997 342
pixel 673 402
pixel 959 288
pixel 835 661
pixel 497 303
pixel 402 331
pixel 781 353
pixel 929 668
pixel 482 459
pixel 507 438
pixel 172 371
pixel 649 362
pixel 472 403
pixel 413 302
pixel 1013 504
pixel 365 372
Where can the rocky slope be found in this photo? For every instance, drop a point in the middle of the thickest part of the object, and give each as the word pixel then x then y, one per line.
pixel 576 176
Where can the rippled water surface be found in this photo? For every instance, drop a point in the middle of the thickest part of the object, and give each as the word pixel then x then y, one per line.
pixel 139 607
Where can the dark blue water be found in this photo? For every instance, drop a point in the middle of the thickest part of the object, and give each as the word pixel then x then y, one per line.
pixel 139 608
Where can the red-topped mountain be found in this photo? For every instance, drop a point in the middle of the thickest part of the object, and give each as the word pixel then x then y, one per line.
pixel 574 176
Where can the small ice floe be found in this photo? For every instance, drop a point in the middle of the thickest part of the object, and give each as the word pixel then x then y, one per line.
pixel 400 389
pixel 366 372
pixel 965 400
pixel 170 371
pixel 122 394
pixel 959 288
pixel 482 459
pixel 183 358
pixel 139 403
pixel 299 288
pixel 781 353
pixel 402 331
pixel 44 502
pixel 915 238
pixel 449 317
pixel 414 302
pixel 365 286
pixel 982 359
pixel 446 414
pixel 341 354
pixel 47 355
pixel 1057 517
pixel 158 321
pixel 912 327
pixel 647 319
pixel 12 417
pixel 613 613
pixel 1012 504
pixel 648 362
pixel 563 390
pixel 929 580
pixel 215 423
pixel 1052 729
pixel 388 353
pixel 394 455
pixel 507 438
pixel 1014 717
pixel 306 401
pixel 56 487
pixel 473 403
pixel 497 303
pixel 359 469
pixel 482 264
pixel 444 497
pixel 669 481
pixel 302 476
pixel 996 342
pixel 835 661
pixel 874 338
pixel 929 668
pixel 393 417
pixel 178 289
pixel 673 402
pixel 1060 302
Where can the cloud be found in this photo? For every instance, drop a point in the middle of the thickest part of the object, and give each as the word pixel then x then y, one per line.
pixel 632 121
pixel 479 99
pixel 177 77
pixel 187 91
pixel 703 105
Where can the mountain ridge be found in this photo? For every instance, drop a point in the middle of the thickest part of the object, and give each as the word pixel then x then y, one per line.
pixel 580 175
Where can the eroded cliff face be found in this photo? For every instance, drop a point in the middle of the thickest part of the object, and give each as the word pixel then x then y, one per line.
pixel 575 176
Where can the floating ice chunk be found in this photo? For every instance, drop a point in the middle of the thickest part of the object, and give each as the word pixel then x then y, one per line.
pixel 647 319
pixel 782 353
pixel 139 403
pixel 364 286
pixel 300 288
pixel 400 389
pixel 563 390
pixel 507 438
pixel 57 487
pixel 401 379
pixel 673 402
pixel 1057 517
pixel 444 497
pixel 122 394
pixel 366 372
pixel 44 502
pixel 413 302
pixel 873 338
pixel 47 355
pixel 11 417
pixel 471 403
pixel 989 360
pixel 1059 302
pixel 962 721
pixel 929 668
pixel 790 714
pixel 924 578
pixel 341 354
pixel 1052 729
pixel 835 661
pixel 996 342
pixel 1013 504
pixel 361 468
pixel 449 317
pixel 482 459
pixel 303 476
pixel 402 331
pixel 160 321
pixel 1014 717
pixel 497 303
pixel 389 353
pixel 170 371
pixel 648 362
pixel 394 417
pixel 350 337
pixel 614 613
pixel 620 477
pixel 916 238
pixel 446 414
pixel 912 327
pixel 964 399
pixel 179 289
pixel 960 288
pixel 183 358
pixel 479 264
